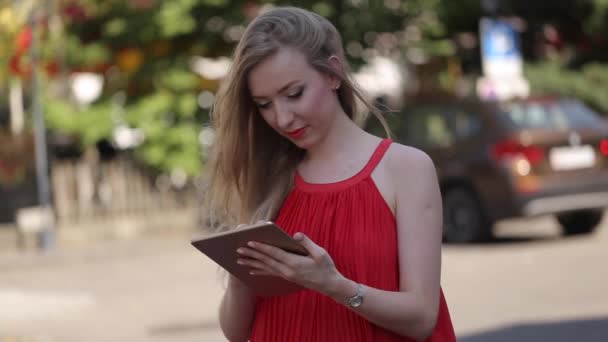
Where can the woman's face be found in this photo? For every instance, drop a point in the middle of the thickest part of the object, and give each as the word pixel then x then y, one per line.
pixel 296 100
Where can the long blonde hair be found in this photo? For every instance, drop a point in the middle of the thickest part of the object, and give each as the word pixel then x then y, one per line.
pixel 251 167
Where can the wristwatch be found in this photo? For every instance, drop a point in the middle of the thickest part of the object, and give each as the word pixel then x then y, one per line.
pixel 356 300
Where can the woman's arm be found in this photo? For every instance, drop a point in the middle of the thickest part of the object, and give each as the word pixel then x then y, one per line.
pixel 413 310
pixel 236 311
pixel 405 313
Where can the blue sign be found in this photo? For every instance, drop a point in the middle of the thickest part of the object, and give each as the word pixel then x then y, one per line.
pixel 499 39
pixel 500 49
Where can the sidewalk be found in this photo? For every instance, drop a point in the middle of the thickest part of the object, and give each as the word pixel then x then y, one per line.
pixel 157 287
pixel 147 287
pixel 125 226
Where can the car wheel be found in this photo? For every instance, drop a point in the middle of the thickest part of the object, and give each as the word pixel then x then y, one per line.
pixel 464 220
pixel 580 221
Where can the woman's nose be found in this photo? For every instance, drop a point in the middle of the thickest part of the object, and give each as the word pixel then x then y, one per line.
pixel 284 116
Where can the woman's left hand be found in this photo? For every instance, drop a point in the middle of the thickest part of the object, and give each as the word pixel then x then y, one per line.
pixel 315 271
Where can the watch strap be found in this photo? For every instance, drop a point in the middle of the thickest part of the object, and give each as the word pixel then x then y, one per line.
pixel 357 299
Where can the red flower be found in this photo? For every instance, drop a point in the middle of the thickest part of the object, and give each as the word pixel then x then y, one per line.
pixel 16 66
pixel 52 68
pixel 24 40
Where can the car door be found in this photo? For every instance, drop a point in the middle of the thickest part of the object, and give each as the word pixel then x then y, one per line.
pixel 467 154
pixel 428 127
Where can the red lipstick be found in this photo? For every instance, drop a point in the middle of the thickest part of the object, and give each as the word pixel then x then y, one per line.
pixel 297 134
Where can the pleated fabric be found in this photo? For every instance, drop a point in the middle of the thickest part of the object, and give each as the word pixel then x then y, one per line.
pixel 353 222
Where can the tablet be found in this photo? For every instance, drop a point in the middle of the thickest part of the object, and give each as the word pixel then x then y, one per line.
pixel 222 247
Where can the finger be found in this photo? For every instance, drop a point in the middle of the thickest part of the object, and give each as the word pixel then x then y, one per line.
pixel 275 265
pixel 314 250
pixel 258 272
pixel 254 264
pixel 273 251
pixel 264 271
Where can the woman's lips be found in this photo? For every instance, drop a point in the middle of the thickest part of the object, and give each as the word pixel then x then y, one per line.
pixel 298 133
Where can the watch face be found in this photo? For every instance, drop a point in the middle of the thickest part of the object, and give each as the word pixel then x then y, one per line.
pixel 355 301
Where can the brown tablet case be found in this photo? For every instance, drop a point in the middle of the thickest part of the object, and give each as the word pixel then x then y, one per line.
pixel 222 247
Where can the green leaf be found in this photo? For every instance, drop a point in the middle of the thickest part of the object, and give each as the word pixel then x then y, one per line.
pixel 187 105
pixel 179 80
pixel 115 27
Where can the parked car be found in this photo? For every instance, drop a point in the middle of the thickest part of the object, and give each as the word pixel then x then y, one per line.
pixel 498 160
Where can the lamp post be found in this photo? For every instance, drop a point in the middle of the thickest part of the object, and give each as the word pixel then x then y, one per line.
pixel 46 237
pixel 490 7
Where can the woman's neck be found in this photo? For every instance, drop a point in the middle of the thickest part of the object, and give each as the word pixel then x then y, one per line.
pixel 341 137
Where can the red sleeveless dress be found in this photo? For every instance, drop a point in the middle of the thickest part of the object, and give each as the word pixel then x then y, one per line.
pixel 353 222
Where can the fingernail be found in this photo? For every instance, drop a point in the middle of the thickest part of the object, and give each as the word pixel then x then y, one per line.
pixel 252 272
pixel 298 236
pixel 251 244
pixel 240 251
pixel 240 262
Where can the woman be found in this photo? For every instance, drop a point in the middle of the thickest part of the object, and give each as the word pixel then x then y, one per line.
pixel 367 210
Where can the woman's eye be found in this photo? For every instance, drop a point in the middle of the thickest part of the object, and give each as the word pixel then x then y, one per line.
pixel 264 105
pixel 296 94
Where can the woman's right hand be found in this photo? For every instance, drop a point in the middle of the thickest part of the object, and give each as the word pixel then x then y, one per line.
pixel 235 283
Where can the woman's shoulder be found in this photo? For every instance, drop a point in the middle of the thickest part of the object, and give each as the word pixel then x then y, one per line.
pixel 403 155
pixel 404 170
pixel 407 160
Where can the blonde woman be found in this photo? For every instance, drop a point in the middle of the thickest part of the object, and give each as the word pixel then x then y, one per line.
pixel 367 210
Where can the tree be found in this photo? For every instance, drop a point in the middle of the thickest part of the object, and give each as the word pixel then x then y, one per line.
pixel 147 51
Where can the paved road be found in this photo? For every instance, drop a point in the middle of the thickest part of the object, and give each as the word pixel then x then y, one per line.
pixel 532 285
pixel 528 286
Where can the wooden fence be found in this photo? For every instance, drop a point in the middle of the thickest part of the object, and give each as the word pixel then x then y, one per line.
pixel 87 189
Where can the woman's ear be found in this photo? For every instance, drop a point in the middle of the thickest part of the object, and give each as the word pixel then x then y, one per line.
pixel 336 64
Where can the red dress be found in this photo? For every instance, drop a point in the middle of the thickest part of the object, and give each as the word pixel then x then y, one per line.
pixel 353 222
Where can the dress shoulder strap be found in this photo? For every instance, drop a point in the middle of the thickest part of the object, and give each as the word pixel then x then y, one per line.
pixel 376 157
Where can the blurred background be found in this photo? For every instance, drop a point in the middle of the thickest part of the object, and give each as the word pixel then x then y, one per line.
pixel 104 133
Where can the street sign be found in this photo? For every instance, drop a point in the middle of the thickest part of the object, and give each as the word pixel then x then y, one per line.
pixel 500 51
pixel 501 61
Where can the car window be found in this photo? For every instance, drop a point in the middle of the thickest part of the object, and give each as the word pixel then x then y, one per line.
pixel 466 123
pixel 560 115
pixel 427 127
pixel 580 115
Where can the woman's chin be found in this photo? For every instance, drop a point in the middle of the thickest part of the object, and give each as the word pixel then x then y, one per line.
pixel 303 143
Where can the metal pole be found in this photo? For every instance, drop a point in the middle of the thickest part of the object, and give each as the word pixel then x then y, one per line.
pixel 46 236
pixel 490 7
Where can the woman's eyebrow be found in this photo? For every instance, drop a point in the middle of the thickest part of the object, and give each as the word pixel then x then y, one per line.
pixel 280 90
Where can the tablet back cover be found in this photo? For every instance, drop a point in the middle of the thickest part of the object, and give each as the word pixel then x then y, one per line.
pixel 222 247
